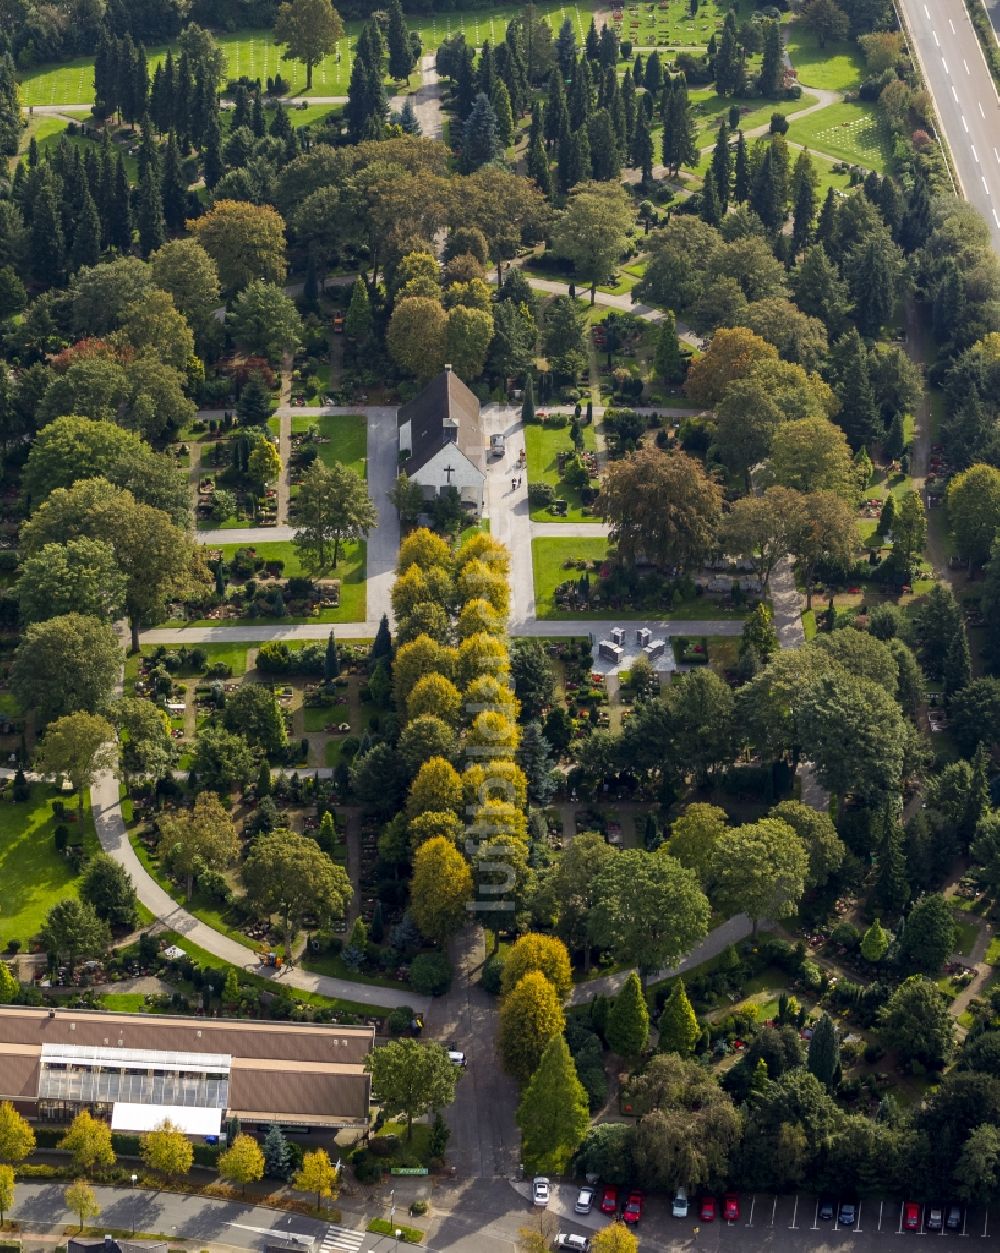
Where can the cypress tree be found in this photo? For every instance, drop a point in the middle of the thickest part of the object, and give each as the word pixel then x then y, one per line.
pixel 824 1053
pixel 653 75
pixel 627 1027
pixel 48 247
pixel 174 187
pixel 358 322
pixel 87 237
pixel 241 107
pixel 605 159
pixel 258 123
pixel 892 891
pixel 711 211
pixel 727 57
pixel 382 644
pixel 120 225
pixel 978 802
pixel 802 215
pixel 771 71
pixel 826 227
pixel 582 164
pixel 331 660
pixel 254 405
pixel 537 165
pixel 642 148
pixel 592 44
pixel 566 48
pixel 957 663
pixel 528 402
pixel 741 176
pixel 150 215
pixel 556 113
pixel 678 1026
pixel 858 413
pixel 580 94
pixel 401 57
pixel 722 166
pixel 486 74
pixel 502 111
pixel 669 363
pixel 629 109
pixel 211 155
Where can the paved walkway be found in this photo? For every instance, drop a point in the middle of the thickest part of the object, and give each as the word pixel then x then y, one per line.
pixel 732 931
pixel 111 832
pixel 427 101
pixel 284 436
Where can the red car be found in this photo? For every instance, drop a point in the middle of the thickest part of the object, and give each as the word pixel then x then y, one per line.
pixel 707 1211
pixel 609 1200
pixel 911 1216
pixel 731 1207
pixel 632 1212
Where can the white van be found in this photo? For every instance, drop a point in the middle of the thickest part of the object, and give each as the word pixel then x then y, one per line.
pixel 679 1205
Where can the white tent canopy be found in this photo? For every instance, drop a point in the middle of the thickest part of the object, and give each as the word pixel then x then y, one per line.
pixel 193 1121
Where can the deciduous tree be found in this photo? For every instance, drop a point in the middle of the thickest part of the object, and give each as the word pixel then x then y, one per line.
pixel 530 1016
pixel 88 1142
pixel 412 1077
pixel 79 746
pixel 65 665
pixel 242 1162
pixel 108 886
pixel 80 1198
pixel 317 1174
pixel 246 241
pixel 594 231
pixel 441 889
pixel 760 869
pixel 264 321
pixel 17 1140
pixel 309 29
pixel 167 1149
pixel 543 953
pixel 289 874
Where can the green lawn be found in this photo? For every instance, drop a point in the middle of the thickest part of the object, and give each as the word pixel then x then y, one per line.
pixel 710 109
pixel 543 443
pixel 33 876
pixel 849 132
pixel 348 436
pixel 669 25
pixel 316 717
pixel 547 557
pixel 334 965
pixel 350 570
pixel 837 67
pixel 279 551
pixel 255 54
pixel 234 655
pixel 124 1002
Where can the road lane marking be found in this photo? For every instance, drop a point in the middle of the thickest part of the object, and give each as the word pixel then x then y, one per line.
pixel 774 1210
pixel 986 184
pixel 996 217
pixel 753 1202
pixel 815 1226
pixel 945 64
pixel 966 64
pixel 982 111
pixel 952 25
pixel 880 1205
pixel 965 124
pixel 936 40
pixel 793 1226
pixel 927 11
pixel 975 155
pixel 997 155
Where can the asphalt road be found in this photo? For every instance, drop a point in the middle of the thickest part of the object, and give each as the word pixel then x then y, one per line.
pixel 965 98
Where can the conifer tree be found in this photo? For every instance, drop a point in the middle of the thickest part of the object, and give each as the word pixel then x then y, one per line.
pixel 537 164
pixel 858 415
pixel 87 237
pixel 957 663
pixel 254 405
pixel 480 136
pixel 875 942
pixel 277 1154
pixel 258 123
pixel 642 148
pixel 652 78
pixel 669 363
pixel 401 56
pixel 120 226
pixel 48 247
pixel 358 322
pixel 627 1026
pixel 211 153
pixel 556 113
pixel 502 111
pixel 553 1114
pixel 150 214
pixel 824 1053
pixel 174 187
pixel 678 1026
pixel 771 70
pixel 722 166
pixel 581 94
pixel 892 891
pixel 741 176
pixel 710 209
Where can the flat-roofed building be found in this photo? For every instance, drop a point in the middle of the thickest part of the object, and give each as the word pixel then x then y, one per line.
pixel 136 1070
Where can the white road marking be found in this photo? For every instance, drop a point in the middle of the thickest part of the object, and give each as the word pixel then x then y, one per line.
pixel 927 11
pixel 982 111
pixel 302 1238
pixel 975 155
pixel 342 1238
pixel 965 124
pixel 986 185
pixel 936 40
pixel 955 94
pixel 945 64
pixel 997 155
pixel 952 25
pixel 966 64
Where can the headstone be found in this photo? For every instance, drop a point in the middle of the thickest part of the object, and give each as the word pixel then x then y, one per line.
pixel 643 636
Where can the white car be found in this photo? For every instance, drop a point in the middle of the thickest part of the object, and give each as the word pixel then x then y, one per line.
pixel 679 1205
pixel 578 1243
pixel 540 1190
pixel 584 1200
pixel 457 1057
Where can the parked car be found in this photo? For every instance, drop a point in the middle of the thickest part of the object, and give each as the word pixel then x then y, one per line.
pixel 679 1206
pixel 953 1218
pixel 731 1207
pixel 632 1213
pixel 911 1216
pixel 707 1209
pixel 934 1219
pixel 584 1200
pixel 579 1244
pixel 540 1190
pixel 609 1200
pixel 848 1215
pixel 457 1057
pixel 826 1209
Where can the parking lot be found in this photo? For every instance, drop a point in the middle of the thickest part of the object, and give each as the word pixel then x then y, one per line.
pixel 778 1222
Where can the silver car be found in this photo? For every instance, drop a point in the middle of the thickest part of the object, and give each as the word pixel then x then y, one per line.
pixel 540 1190
pixel 584 1200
